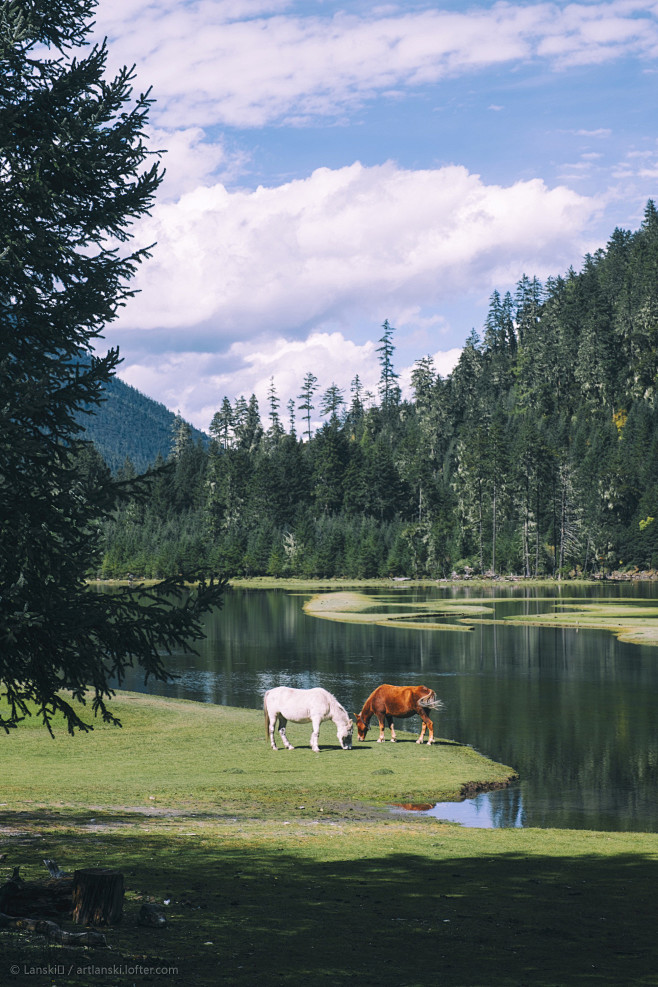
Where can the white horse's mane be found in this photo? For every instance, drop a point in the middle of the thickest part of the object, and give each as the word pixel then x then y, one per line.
pixel 336 707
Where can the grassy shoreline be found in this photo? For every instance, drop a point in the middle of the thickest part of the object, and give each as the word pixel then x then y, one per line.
pixel 289 865
pixel 319 583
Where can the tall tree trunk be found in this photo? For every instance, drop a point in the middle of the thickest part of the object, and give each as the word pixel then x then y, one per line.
pixel 563 520
pixel 481 547
pixel 493 532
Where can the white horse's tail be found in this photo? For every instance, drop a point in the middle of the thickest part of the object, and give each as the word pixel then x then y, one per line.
pixel 431 701
pixel 267 717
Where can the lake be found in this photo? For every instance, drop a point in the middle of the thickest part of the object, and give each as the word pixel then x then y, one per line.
pixel 573 711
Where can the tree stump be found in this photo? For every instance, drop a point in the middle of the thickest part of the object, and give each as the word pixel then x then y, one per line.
pixel 97 896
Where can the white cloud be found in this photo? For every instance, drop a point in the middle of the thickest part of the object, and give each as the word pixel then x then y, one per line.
pixel 346 244
pixel 285 280
pixel 246 64
pixel 601 132
pixel 196 383
pixel 191 160
pixel 444 361
pixel 326 257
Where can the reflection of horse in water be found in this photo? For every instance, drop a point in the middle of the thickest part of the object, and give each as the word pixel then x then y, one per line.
pixel 305 706
pixel 400 701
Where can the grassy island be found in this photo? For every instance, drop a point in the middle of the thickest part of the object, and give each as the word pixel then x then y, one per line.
pixel 632 620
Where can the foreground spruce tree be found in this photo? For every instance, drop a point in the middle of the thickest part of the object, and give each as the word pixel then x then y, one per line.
pixel 74 174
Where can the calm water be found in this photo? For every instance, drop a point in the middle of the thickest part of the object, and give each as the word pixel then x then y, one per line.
pixel 572 711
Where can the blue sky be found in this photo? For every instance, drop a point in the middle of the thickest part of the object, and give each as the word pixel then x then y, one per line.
pixel 331 166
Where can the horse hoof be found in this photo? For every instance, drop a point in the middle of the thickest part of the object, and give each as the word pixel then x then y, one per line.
pixel 420 741
pixel 393 740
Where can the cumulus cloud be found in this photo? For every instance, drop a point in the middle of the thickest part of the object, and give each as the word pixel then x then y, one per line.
pixel 244 286
pixel 196 383
pixel 246 283
pixel 190 160
pixel 249 63
pixel 346 244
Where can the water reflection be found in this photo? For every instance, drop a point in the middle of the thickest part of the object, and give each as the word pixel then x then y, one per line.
pixel 489 810
pixel 572 711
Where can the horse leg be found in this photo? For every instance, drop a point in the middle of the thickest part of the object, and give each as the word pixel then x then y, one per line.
pixel 382 723
pixel 315 735
pixel 271 724
pixel 389 720
pixel 427 724
pixel 282 732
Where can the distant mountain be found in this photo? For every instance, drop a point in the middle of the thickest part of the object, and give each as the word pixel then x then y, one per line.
pixel 130 424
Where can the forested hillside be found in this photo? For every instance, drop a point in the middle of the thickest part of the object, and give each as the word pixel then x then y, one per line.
pixel 130 425
pixel 537 456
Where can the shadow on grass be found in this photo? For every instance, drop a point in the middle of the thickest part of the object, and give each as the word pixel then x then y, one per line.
pixel 261 912
pixel 508 920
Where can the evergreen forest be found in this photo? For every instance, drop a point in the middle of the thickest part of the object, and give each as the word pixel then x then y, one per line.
pixel 537 456
pixel 130 425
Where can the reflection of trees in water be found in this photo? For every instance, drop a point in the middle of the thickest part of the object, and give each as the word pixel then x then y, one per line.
pixel 573 715
pixel 572 712
pixel 507 808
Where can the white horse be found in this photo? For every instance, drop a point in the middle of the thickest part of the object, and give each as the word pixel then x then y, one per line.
pixel 305 706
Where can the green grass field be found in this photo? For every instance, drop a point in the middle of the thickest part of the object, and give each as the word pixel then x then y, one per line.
pixel 290 866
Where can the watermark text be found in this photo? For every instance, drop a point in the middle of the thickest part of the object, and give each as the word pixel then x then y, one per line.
pixel 91 970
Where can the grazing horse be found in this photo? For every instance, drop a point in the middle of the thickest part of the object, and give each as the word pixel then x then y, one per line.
pixel 401 701
pixel 304 706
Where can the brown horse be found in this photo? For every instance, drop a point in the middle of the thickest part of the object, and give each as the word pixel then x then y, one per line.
pixel 400 701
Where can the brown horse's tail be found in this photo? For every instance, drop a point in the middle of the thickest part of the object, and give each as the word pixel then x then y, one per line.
pixel 431 700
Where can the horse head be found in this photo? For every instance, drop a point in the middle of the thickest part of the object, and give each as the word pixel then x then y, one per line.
pixel 346 739
pixel 362 726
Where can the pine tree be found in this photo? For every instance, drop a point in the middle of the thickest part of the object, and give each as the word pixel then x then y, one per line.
pixel 355 414
pixel 181 437
pixel 291 416
pixel 222 424
pixel 332 400
pixel 309 387
pixel 527 301
pixel 73 178
pixel 329 462
pixel 464 392
pixel 389 390
pixel 248 427
pixel 423 381
pixel 276 429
